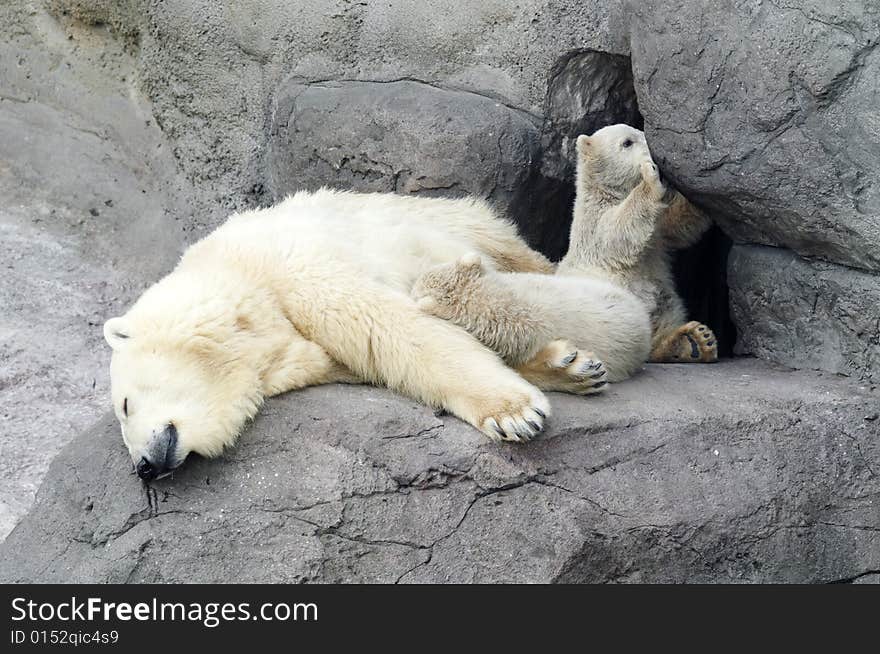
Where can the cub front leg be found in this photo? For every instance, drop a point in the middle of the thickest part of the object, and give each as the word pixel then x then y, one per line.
pixel 625 231
pixel 382 337
pixel 682 224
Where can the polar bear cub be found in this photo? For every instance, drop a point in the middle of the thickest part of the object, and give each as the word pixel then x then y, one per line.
pixel 625 225
pixel 537 323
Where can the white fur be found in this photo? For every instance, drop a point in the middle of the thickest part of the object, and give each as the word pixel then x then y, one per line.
pixel 310 291
pixel 519 314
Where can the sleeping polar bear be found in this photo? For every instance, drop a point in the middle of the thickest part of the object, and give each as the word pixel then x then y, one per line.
pixel 311 291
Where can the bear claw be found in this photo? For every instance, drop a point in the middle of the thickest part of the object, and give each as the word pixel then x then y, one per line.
pixel 517 426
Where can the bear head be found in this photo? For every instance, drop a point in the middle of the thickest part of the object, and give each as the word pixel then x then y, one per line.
pixel 178 387
pixel 611 158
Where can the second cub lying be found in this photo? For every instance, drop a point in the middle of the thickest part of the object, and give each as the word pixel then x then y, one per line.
pixel 542 324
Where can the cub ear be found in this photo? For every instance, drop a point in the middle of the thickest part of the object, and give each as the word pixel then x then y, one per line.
pixel 116 332
pixel 584 144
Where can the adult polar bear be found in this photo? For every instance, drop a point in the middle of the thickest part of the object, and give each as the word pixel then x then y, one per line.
pixel 313 290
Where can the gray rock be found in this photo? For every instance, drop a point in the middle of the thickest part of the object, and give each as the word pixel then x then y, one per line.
pixel 805 314
pixel 740 471
pixel 91 211
pixel 211 69
pixel 405 137
pixel 409 137
pixel 769 118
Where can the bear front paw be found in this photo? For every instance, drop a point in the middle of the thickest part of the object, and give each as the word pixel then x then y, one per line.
pixel 651 178
pixel 517 418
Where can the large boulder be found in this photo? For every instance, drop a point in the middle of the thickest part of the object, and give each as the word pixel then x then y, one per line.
pixel 769 117
pixel 806 314
pixel 411 137
pixel 734 472
pixel 404 137
pixel 770 121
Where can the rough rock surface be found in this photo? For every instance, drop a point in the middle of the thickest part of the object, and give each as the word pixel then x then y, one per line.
pixel 406 137
pixel 132 127
pixel 771 118
pixel 90 212
pixel 210 68
pixel 806 314
pixel 735 472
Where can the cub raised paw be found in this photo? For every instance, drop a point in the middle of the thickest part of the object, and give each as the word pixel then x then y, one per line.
pixel 561 366
pixel 651 178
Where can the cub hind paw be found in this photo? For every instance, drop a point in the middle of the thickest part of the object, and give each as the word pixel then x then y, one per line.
pixel 586 375
pixel 562 366
pixel 694 342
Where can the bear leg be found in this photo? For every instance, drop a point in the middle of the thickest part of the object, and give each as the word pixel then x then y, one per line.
pixel 383 338
pixel 302 364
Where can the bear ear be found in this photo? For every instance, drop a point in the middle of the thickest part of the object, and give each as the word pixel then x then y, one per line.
pixel 116 332
pixel 584 144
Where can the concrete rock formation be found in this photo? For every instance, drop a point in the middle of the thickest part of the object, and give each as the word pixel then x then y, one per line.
pixel 770 121
pixel 131 128
pixel 771 475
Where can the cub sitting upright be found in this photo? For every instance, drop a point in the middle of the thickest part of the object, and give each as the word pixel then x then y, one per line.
pixel 626 223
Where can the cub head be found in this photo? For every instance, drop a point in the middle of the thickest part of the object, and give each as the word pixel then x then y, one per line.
pixel 173 396
pixel 611 157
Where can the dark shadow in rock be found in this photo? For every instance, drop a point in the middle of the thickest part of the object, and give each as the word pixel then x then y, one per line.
pixel 701 278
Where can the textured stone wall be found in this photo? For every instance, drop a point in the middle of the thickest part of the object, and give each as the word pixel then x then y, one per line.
pixel 764 113
pixel 130 128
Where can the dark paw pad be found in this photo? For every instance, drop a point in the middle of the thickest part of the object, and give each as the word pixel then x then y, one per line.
pixel 695 347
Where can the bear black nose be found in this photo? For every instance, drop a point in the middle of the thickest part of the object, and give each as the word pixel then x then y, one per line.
pixel 145 469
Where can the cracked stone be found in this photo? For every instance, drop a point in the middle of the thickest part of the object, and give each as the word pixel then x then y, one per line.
pixel 623 487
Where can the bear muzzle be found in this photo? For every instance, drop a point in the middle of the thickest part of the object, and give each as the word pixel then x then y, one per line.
pixel 161 455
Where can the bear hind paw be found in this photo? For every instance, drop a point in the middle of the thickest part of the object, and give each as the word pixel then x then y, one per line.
pixel 561 366
pixel 693 342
